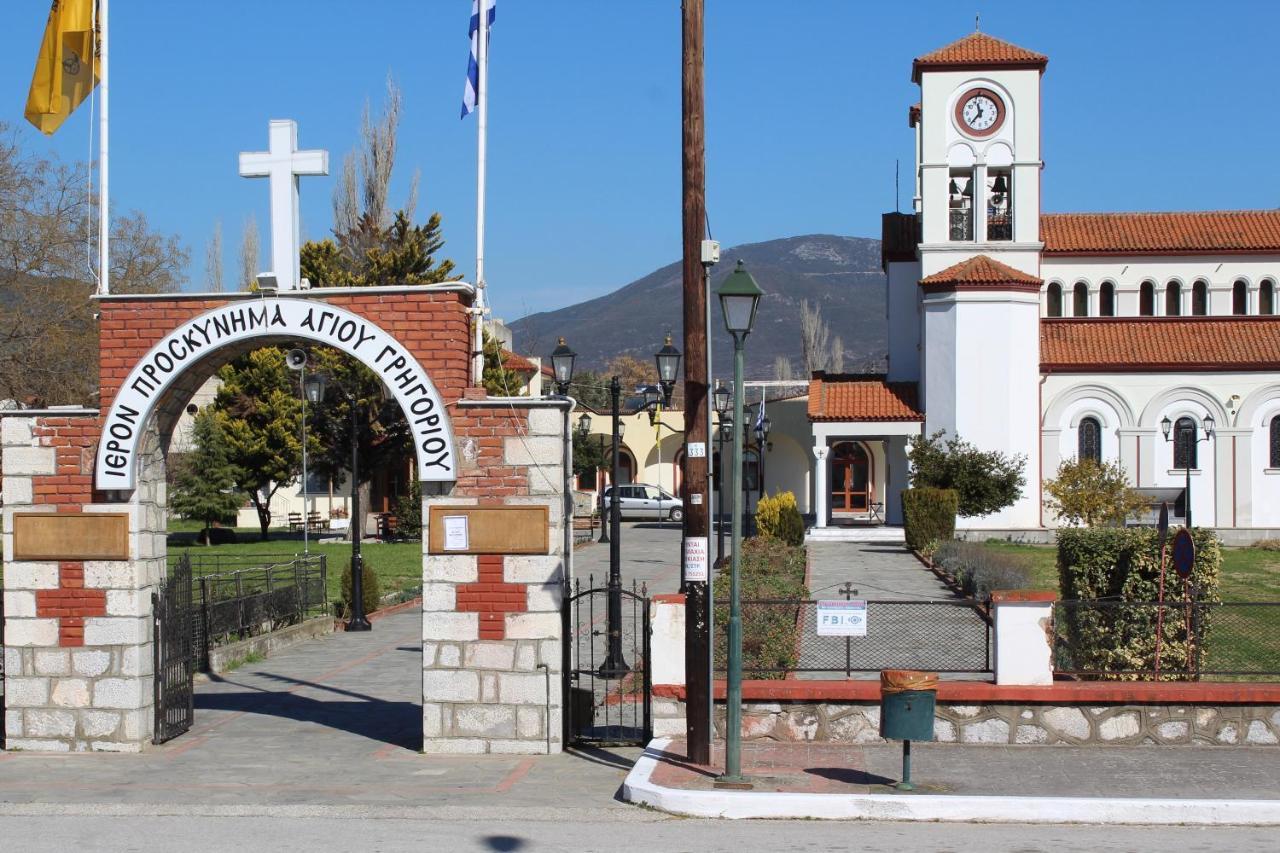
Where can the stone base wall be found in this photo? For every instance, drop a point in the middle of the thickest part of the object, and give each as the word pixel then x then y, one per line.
pixel 1011 723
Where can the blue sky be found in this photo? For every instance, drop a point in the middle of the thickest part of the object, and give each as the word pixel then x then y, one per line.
pixel 1146 107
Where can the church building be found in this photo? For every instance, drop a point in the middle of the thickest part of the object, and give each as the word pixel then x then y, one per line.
pixel 1147 338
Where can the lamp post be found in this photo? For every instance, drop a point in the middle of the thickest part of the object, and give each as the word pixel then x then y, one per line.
pixel 562 359
pixel 762 439
pixel 297 360
pixel 581 434
pixel 615 666
pixel 739 299
pixel 1189 439
pixel 722 398
pixel 315 389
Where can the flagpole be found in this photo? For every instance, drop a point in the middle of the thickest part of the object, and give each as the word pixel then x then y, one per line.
pixel 482 121
pixel 104 209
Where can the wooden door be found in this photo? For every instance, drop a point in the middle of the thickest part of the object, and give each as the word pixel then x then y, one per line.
pixel 850 478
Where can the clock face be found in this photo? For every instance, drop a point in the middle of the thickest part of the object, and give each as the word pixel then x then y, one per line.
pixel 980 112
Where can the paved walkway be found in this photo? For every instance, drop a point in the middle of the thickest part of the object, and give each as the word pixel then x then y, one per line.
pixel 877 571
pixel 650 555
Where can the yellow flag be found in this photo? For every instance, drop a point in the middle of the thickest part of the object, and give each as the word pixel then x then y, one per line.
pixel 67 67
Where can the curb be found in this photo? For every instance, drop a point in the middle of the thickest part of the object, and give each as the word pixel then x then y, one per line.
pixel 640 790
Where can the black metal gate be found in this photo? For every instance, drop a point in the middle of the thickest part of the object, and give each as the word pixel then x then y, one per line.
pixel 175 657
pixel 607 675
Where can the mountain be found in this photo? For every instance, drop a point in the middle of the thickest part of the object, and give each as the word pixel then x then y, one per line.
pixel 840 274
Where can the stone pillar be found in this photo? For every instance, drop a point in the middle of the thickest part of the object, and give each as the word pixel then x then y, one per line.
pixel 666 647
pixel 491 630
pixel 821 493
pixel 78 653
pixel 1024 636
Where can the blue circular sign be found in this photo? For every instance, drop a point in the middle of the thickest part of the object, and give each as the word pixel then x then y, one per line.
pixel 1184 553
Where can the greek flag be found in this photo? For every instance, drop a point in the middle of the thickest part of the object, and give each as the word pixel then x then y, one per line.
pixel 759 424
pixel 473 65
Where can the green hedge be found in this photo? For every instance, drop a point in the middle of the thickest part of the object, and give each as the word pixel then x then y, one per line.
pixel 929 517
pixel 770 569
pixel 1123 565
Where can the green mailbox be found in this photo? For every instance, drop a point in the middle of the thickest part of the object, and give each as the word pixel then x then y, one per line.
pixel 907 701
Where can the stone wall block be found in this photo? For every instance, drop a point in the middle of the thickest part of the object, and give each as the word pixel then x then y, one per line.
pixel 518 688
pixel 517 747
pixel 459 568
pixel 34 461
pixel 529 721
pixel 532 450
pixel 546 422
pixel 22 575
pixel 532 569
pixel 25 692
pixel 17 432
pixel 70 692
pixel 443 685
pixel 489 721
pixel 31 632
pixel 526 656
pixel 433 719
pixel 449 656
pixel 136 725
pixel 122 693
pixel 99 724
pixel 455 746
pixel 116 631
pixel 451 626
pixel 533 626
pixel 137 660
pixel 491 654
pixel 19 604
pixel 16 491
pixel 544 597
pixel 113 574
pixel 90 663
pixel 54 724
pixel 438 596
pixel 128 602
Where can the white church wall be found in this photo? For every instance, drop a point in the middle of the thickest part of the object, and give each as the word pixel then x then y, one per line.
pixel 903 309
pixel 1128 273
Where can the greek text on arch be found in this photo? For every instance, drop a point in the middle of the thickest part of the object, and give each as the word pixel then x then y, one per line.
pixel 120 430
pixel 178 346
pixel 422 417
pixel 338 327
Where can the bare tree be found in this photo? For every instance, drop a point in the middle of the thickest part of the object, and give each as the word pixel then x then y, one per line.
pixel 814 338
pixel 249 253
pixel 378 155
pixel 346 198
pixel 782 370
pixel 213 260
pixel 835 362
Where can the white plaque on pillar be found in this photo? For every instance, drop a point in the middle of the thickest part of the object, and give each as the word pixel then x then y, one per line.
pixel 697 550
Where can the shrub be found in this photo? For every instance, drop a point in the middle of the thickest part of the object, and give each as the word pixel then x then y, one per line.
pixel 1123 564
pixel 1093 494
pixel 985 481
pixel 778 517
pixel 979 569
pixel 929 517
pixel 371 591
pixel 216 536
pixel 771 633
pixel 409 513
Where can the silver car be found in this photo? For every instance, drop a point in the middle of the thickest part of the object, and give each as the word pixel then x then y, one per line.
pixel 641 500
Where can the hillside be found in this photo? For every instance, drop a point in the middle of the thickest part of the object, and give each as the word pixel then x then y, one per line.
pixel 841 274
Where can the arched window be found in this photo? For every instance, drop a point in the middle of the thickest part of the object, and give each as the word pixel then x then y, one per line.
pixel 1200 298
pixel 1184 444
pixel 1055 300
pixel 1240 297
pixel 1275 442
pixel 1147 299
pixel 1172 299
pixel 1080 300
pixel 1107 300
pixel 1267 297
pixel 1089 439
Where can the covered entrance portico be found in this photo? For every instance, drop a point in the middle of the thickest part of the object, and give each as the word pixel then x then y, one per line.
pixel 861 426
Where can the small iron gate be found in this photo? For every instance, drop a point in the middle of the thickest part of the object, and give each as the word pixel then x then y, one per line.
pixel 607 675
pixel 175 658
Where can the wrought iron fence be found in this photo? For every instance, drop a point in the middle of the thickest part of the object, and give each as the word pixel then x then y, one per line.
pixel 1109 638
pixel 2 702
pixel 234 605
pixel 780 637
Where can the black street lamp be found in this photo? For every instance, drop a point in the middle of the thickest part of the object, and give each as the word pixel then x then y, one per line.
pixel 604 522
pixel 721 399
pixel 615 666
pixel 762 441
pixel 1188 438
pixel 668 360
pixel 562 359
pixel 315 389
pixel 739 299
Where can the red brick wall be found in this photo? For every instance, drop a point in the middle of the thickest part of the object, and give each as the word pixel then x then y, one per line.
pixel 71 603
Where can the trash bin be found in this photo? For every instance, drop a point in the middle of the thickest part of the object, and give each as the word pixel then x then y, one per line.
pixel 907 699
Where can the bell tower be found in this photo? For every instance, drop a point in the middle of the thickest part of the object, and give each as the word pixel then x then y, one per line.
pixel 978 185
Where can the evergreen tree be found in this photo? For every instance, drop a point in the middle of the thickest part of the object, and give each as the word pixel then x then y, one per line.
pixel 205 488
pixel 498 380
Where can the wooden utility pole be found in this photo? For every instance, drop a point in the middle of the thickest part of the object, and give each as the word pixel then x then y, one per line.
pixel 697 495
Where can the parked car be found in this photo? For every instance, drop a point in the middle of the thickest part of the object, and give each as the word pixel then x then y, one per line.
pixel 641 500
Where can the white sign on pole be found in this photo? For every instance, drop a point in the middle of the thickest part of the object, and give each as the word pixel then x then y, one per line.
pixel 842 618
pixel 696 551
pixel 697 450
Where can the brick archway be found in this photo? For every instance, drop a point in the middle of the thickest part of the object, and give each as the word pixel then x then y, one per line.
pixel 82 628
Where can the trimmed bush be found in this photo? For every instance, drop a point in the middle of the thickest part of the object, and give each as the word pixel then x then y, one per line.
pixel 771 633
pixel 778 517
pixel 1123 565
pixel 371 591
pixel 409 513
pixel 929 517
pixel 979 569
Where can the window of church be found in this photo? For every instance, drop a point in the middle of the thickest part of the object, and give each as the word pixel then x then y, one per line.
pixel 1054 298
pixel 999 204
pixel 1200 298
pixel 1107 300
pixel 1275 442
pixel 1184 444
pixel 1267 297
pixel 1240 297
pixel 1173 299
pixel 1080 300
pixel 1147 299
pixel 1089 440
pixel 960 193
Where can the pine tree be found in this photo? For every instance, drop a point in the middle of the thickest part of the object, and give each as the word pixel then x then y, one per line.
pixel 205 488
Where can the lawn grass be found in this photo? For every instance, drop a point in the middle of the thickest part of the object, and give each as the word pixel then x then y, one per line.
pixel 398 565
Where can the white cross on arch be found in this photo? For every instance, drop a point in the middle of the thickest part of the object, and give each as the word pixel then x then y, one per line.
pixel 281 164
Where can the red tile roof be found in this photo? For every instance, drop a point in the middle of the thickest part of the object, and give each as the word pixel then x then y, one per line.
pixel 980 271
pixel 978 50
pixel 1217 231
pixel 862 398
pixel 1163 343
pixel 511 361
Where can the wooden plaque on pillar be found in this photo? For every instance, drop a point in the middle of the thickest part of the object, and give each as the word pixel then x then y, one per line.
pixel 70 536
pixel 490 530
